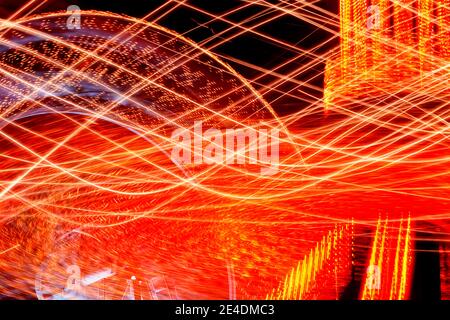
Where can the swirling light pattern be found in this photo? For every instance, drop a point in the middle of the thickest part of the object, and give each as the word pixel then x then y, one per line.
pixel 92 205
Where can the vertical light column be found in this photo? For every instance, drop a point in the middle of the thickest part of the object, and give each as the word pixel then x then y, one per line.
pixel 380 36
pixel 443 20
pixel 368 293
pixel 425 29
pixel 406 264
pixel 403 23
pixel 346 21
pixel 391 256
pixel 405 48
pixel 361 32
pixel 401 273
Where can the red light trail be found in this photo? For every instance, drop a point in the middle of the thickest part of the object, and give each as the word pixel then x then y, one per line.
pixel 93 206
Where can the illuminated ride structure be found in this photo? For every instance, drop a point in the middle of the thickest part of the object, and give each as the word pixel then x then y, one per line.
pixel 391 48
pixel 94 207
pixel 392 69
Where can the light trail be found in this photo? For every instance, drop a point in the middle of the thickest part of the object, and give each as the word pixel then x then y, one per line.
pixel 86 141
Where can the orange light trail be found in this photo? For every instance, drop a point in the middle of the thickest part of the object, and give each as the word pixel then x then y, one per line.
pixel 87 178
